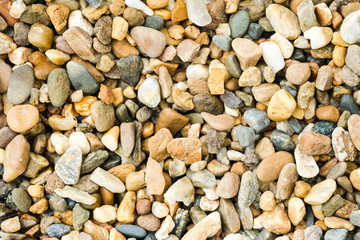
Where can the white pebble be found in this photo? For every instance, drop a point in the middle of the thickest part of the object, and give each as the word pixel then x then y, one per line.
pixel 149 92
pixel 79 139
pixel 197 71
pixel 60 142
pixel 350 28
pixel 197 12
pixel 139 5
pixel 285 45
pixel 319 36
pixel 159 209
pixel 235 155
pixel 17 9
pixel 76 19
pixel 272 55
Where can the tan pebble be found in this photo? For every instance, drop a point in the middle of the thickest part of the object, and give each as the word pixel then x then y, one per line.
pixel 323 14
pixel 281 106
pixel 247 51
pixel 107 197
pixel 336 19
pixel 41 36
pixel 39 207
pixel 57 122
pixel 157 4
pixel 56 56
pixel 301 189
pixel 339 55
pixel 321 192
pixel 11 225
pixel 328 113
pixel 165 14
pixel 296 210
pixel 118 96
pixel 93 14
pixel 22 117
pixel 95 231
pixel 275 221
pixel 106 94
pixel 129 92
pixel 223 122
pixel 239 168
pixel 155 182
pixel 179 12
pixel 269 169
pixel 298 73
pixel 185 149
pixel 58 14
pixel 264 148
pixel 115 235
pixel 170 119
pixel 182 99
pixel 119 28
pixel 122 171
pixel 267 201
pixel 286 181
pixel 264 92
pixel 126 210
pixel 187 50
pixel 250 77
pixel 176 32
pixel 317 210
pixel 20 55
pixel 355 178
pixel 135 180
pixel 105 213
pixel 324 78
pixel 105 63
pixel 336 222
pixel 312 143
pixel 83 106
pixel 111 138
pixel 147 129
pixel 36 191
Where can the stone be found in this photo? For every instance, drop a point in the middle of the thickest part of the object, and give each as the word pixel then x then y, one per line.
pixel 16 120
pixel 95 231
pixel 255 31
pixel 354 178
pixel 105 213
pixel 35 13
pixel 185 149
pixel 40 36
pixel 119 28
pixel 275 221
pixel 130 230
pixel 332 205
pixel 233 66
pixel 107 180
pixel 11 225
pixel 76 195
pixel 319 36
pixel 198 13
pixel 339 234
pixel 181 191
pixel 245 135
pixel 248 189
pixel 187 50
pixel 229 216
pixel 149 92
pixel 282 141
pixel 160 210
pixel 20 85
pixel 126 211
pixel 59 86
pixel 296 210
pixel 131 67
pixel 5 76
pixel 21 199
pixel 151 41
pixel 228 186
pixel 352 58
pixel 6 135
pixel 350 28
pixel 313 232
pixel 306 15
pixel 207 227
pixel 342 145
pixel 155 22
pixel 281 106
pixel 57 230
pixel 93 160
pixel 247 52
pixel 103 115
pixel 298 73
pixel 272 55
pixel 306 164
pixel 283 20
pixel 223 42
pixel 348 103
pixel 80 41
pixel 58 14
pixel 81 79
pixel 57 57
pixel 222 122
pixel 80 216
pixel 285 45
pixel 127 137
pixel 250 77
pixel 256 119
pixel 16 158
pixel 77 19
pixel 69 164
pixel 321 192
pixel 335 222
pixel 270 167
pixel 239 23
pixel 312 143
pixel 205 102
pixel 155 182
pixel 203 179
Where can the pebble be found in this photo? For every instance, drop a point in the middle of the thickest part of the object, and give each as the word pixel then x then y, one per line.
pixel 313 232
pixel 131 230
pixel 105 213
pixel 305 164
pixel 185 195
pixel 247 52
pixel 342 145
pixel 319 36
pixel 76 195
pixel 59 86
pixel 298 73
pixel 338 234
pixel 131 67
pixel 306 15
pixel 107 180
pixel 312 143
pixel 239 23
pixel 281 106
pixel 81 79
pixel 282 141
pixel 272 55
pixel 255 31
pixel 270 167
pixel 350 29
pixel 57 230
pixel 250 77
pixel 155 22
pixel 137 4
pixel 233 66
pixel 119 28
pixel 223 42
pixel 103 115
pixel 21 199
pixel 222 122
pixel 93 160
pixel 80 216
pixel 20 84
pixel 185 149
pixel 330 207
pixel 245 135
pixel 69 164
pixel 228 186
pixel 207 227
pixel 296 210
pixel 347 103
pixel 198 12
pixel 11 225
pixel 275 221
pixel 286 47
pixel 149 92
pixel 256 119
pixel 21 118
pixel 151 41
pixel 16 158
pixel 321 192
pixel 203 179
pixel 283 20
pixel 248 189
pixel 187 50
pixel 35 13
pixel 155 182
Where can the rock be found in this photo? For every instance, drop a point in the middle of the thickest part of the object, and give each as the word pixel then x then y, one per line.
pixel 103 29
pixel 187 50
pixel 80 216
pixel 21 199
pixel 185 149
pixel 95 231
pixel 155 182
pixel 160 210
pixel 16 158
pixel 229 216
pixel 272 55
pixel 228 186
pixel 149 92
pixel 35 13
pixel 335 222
pixel 94 160
pixel 11 225
pixel 332 205
pixel 127 137
pixel 270 167
pixel 298 73
pixel 207 227
pixel 247 52
pixel 59 86
pixel 158 144
pixel 353 129
pixel 275 221
pixel 203 179
pixel 151 41
pixel 338 234
pixel 58 15
pixel 233 66
pixel 313 232
pixel 250 77
pixel 281 106
pixel 143 206
pixel 321 192
pixel 198 13
pixel 131 67
pixel 181 191
pixel 286 181
pixel 239 23
pixel 130 230
pixel 350 28
pixel 69 164
pixel 171 120
pixel 256 119
pixel 245 135
pixel 296 210
pixel 76 195
pixel 107 180
pixel 248 189
pixel 57 230
pixel 222 122
pixel 149 222
pixel 319 36
pixel 103 115
pixel 105 213
pixel 306 15
pixel 119 28
pixel 352 58
pixel 76 19
pixel 306 164
pixel 16 120
pixel 126 210
pixel 41 36
pixel 207 103
pixel 342 145
pixel 355 218
pixel 6 135
pixel 80 41
pixel 312 143
pixel 81 79
pixel 283 20
pixel 21 82
pixel 223 42
pixel 282 141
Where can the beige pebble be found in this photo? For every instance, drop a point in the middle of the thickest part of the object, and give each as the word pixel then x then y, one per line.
pixel 267 201
pixel 105 213
pixel 281 106
pixel 11 225
pixel 111 138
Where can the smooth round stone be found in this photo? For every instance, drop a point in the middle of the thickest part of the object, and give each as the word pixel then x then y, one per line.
pixel 57 230
pixel 20 85
pixel 131 68
pixel 81 79
pixel 233 66
pixel 21 199
pixel 130 230
pixel 355 218
pixel 156 22
pixel 58 86
pixel 245 135
pixel 21 118
pixel 149 92
pixel 348 103
pixel 272 55
pixel 255 30
pixel 282 141
pixel 223 42
pixel 350 28
pixel 324 127
pixel 197 71
pixel 321 192
pixel 239 23
pixel 257 119
pixel 103 115
pixel 336 234
pixel 198 12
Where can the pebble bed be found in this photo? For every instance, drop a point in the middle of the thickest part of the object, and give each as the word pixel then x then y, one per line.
pixel 179 119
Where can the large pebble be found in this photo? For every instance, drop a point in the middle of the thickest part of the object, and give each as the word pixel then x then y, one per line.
pixel 69 164
pixel 256 119
pixel 350 28
pixel 354 129
pixel 103 115
pixel 281 106
pixel 59 86
pixel 248 189
pixel 272 55
pixel 131 67
pixel 181 191
pixel 312 143
pixel 245 135
pixel 21 118
pixel 107 180
pixel 275 221
pixel 270 167
pixel 131 230
pixel 58 230
pixel 239 23
pixel 321 192
pixel 228 186
pixel 247 52
pixel 185 149
pixel 76 195
pixel 198 12
pixel 286 181
pixel 155 182
pixel 206 228
pixel 20 85
pixel 80 41
pixel 149 92
pixel 223 122
pixel 306 164
pixel 81 79
pixel 151 41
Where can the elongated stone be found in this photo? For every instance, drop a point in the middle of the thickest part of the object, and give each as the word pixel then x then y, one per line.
pixel 249 188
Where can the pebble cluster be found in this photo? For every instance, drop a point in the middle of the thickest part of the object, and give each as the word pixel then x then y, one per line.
pixel 179 119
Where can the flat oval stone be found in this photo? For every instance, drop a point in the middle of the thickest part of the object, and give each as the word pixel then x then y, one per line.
pixel 239 23
pixel 286 181
pixel 149 92
pixel 151 41
pixel 21 199
pixel 20 85
pixel 131 67
pixel 269 168
pixel 58 83
pixel 130 230
pixel 223 122
pixel 21 118
pixel 81 79
pixel 321 192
